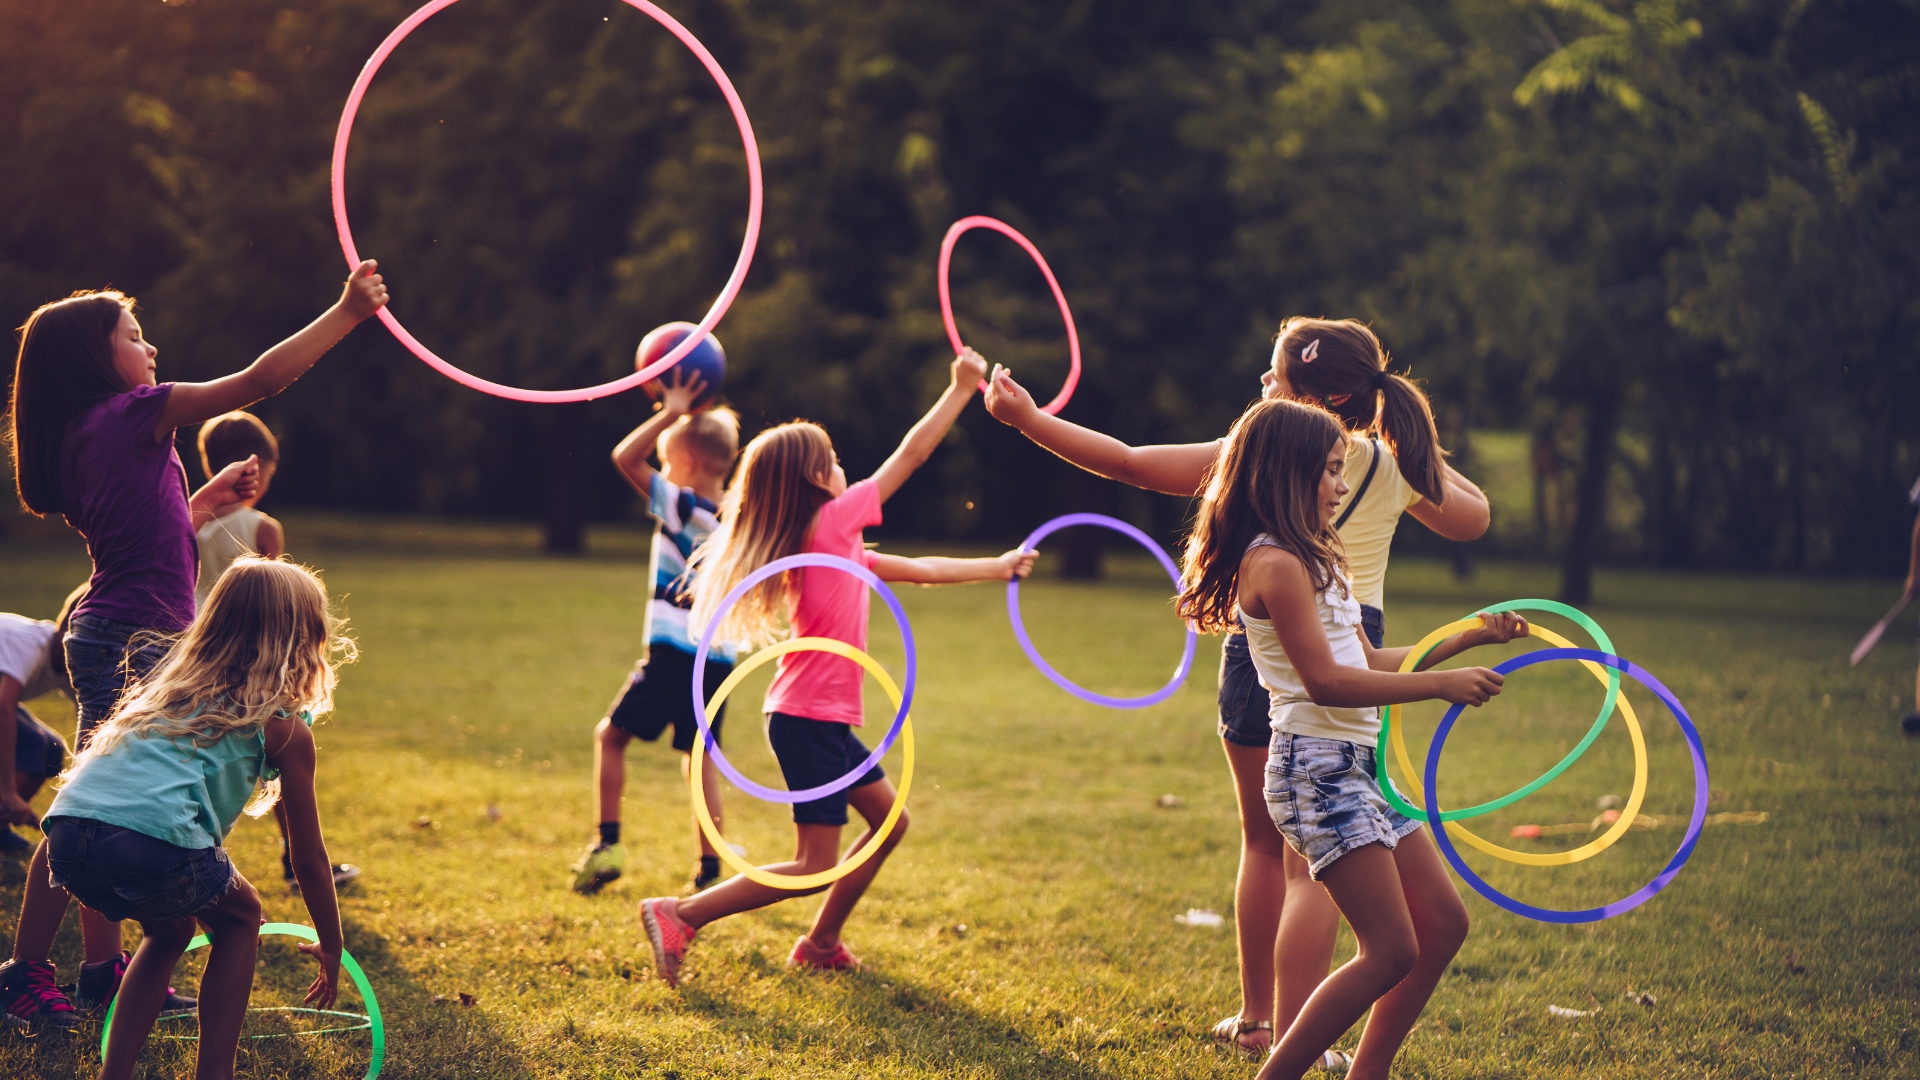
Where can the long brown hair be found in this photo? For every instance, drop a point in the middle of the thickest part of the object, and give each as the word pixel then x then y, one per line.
pixel 1348 374
pixel 65 364
pixel 766 515
pixel 1266 479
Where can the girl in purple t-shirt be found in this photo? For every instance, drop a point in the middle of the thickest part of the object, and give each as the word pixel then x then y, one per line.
pixel 791 496
pixel 92 439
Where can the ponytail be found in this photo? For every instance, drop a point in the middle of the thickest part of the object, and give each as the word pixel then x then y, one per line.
pixel 1341 364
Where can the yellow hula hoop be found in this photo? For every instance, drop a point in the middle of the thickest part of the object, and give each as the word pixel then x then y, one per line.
pixel 852 862
pixel 1527 858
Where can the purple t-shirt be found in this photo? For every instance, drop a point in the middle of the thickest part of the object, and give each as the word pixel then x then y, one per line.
pixel 127 494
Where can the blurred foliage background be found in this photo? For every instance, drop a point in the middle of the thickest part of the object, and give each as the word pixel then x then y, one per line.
pixel 1656 261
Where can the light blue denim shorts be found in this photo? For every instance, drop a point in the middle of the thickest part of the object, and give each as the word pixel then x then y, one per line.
pixel 1323 798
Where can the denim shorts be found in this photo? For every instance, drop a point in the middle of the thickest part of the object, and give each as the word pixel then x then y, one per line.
pixel 99 662
pixel 123 874
pixel 1244 705
pixel 1323 798
pixel 815 752
pixel 37 749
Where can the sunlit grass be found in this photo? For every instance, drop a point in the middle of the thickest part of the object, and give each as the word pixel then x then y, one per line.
pixel 1025 928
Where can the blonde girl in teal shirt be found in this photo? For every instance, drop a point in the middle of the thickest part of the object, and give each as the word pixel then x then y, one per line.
pixel 137 827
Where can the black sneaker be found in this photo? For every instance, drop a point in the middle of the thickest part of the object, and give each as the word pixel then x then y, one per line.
pixel 100 982
pixel 30 1002
pixel 704 876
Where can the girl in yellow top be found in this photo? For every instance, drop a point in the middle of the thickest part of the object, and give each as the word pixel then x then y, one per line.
pixel 1394 464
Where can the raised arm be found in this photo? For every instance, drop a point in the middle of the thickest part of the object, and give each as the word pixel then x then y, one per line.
pixel 1176 469
pixel 312 868
pixel 1274 585
pixel 275 370
pixel 630 457
pixel 968 369
pixel 1462 515
pixel 940 570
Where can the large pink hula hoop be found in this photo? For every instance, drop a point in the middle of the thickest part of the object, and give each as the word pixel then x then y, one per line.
pixel 946 298
pixel 651 371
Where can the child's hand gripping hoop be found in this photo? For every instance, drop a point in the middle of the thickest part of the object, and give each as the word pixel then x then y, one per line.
pixel 946 299
pixel 1064 683
pixel 1618 907
pixel 859 858
pixel 1608 677
pixel 644 375
pixel 347 963
pixel 903 700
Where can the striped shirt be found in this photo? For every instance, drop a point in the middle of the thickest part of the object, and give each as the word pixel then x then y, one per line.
pixel 685 520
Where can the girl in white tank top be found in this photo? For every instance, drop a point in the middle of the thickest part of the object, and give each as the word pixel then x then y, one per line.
pixel 1264 550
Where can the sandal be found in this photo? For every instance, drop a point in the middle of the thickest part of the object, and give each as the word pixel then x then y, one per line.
pixel 1235 1029
pixel 1335 1062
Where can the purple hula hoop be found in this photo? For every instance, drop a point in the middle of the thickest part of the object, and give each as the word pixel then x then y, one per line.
pixel 1064 683
pixel 1618 907
pixel 781 566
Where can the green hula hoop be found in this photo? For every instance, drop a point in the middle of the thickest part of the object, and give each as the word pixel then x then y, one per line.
pixel 1601 641
pixel 352 966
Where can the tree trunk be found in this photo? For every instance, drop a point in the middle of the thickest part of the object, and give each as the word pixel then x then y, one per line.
pixel 1590 513
pixel 566 529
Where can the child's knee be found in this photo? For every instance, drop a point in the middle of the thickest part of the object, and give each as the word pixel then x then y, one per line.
pixel 239 906
pixel 1444 929
pixel 899 830
pixel 168 935
pixel 1394 953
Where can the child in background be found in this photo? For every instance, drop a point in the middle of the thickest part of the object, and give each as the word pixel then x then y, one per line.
pixel 1264 553
pixel 239 529
pixel 791 496
pixel 92 439
pixel 32 664
pixel 696 453
pixel 1286 941
pixel 136 830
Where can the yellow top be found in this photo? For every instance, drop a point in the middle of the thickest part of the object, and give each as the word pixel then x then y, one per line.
pixel 1369 532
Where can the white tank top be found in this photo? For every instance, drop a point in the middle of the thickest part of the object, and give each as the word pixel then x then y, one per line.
pixel 223 540
pixel 1292 710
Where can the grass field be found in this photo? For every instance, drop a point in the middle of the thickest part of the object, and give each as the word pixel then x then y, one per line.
pixel 1025 928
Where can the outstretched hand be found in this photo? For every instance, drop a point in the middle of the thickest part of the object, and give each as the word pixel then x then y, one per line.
pixel 1498 628
pixel 326 985
pixel 366 291
pixel 678 396
pixel 969 367
pixel 1008 401
pixel 1016 563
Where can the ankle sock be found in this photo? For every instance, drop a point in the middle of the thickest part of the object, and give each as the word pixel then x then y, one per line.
pixel 609 832
pixel 709 865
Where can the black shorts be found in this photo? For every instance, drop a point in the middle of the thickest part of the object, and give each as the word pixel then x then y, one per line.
pixel 1244 703
pixel 814 752
pixel 660 692
pixel 37 749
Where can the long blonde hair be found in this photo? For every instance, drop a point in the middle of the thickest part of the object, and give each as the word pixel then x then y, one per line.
pixel 265 644
pixel 1266 479
pixel 766 515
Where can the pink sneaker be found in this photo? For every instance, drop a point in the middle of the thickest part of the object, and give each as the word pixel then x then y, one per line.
pixel 814 958
pixel 667 934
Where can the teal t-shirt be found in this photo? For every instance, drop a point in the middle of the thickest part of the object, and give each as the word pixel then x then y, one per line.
pixel 169 788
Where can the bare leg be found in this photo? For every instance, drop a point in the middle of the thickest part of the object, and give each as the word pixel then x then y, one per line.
pixel 1366 884
pixel 143 990
pixel 816 848
pixel 40 911
pixel 872 801
pixel 610 768
pixel 1440 924
pixel 1303 950
pixel 1260 890
pixel 233 924
pixel 99 936
pixel 710 787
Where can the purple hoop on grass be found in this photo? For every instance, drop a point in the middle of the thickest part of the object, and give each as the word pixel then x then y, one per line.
pixel 1618 907
pixel 781 566
pixel 1064 683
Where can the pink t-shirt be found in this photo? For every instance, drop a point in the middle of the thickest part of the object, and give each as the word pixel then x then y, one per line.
pixel 830 603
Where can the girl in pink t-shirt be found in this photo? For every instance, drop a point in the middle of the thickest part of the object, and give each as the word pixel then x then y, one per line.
pixel 790 496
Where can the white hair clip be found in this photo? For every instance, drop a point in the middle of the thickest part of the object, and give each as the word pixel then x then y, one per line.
pixel 1312 350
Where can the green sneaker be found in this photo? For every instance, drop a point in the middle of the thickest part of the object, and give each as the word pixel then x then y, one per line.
pixel 602 863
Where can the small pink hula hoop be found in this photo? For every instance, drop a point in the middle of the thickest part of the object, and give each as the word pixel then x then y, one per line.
pixel 651 371
pixel 979 221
